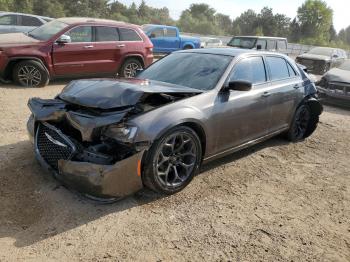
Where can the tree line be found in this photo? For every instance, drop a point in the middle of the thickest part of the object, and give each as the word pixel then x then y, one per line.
pixel 313 23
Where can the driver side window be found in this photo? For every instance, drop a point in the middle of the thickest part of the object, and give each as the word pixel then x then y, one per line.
pixel 250 69
pixel 157 33
pixel 80 34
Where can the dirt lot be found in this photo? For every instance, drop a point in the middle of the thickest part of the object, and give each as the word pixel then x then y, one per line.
pixel 276 201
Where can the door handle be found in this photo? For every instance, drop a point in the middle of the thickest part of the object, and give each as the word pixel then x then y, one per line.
pixel 296 86
pixel 88 46
pixel 266 94
pixel 121 45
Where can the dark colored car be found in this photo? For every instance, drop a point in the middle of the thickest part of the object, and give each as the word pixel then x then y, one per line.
pixel 18 22
pixel 109 138
pixel 264 43
pixel 320 59
pixel 336 83
pixel 71 47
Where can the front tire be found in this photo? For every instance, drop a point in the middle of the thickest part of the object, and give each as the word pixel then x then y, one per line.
pixel 173 160
pixel 30 74
pixel 303 125
pixel 130 67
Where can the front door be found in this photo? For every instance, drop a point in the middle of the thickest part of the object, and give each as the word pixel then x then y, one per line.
pixel 243 115
pixel 77 57
pixel 157 38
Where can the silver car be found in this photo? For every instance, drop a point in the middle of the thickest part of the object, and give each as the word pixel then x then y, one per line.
pixel 18 22
pixel 109 138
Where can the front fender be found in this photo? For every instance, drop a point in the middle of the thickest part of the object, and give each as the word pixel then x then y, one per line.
pixel 156 123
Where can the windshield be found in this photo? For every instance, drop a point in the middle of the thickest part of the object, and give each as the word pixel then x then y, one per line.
pixel 321 51
pixel 242 42
pixel 345 65
pixel 48 30
pixel 199 71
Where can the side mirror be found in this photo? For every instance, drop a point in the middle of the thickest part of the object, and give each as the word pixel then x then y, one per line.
pixel 239 85
pixel 64 39
pixel 258 47
pixel 152 35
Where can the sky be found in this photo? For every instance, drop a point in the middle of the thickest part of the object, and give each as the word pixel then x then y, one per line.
pixel 234 8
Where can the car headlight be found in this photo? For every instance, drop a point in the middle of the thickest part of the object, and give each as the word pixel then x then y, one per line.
pixel 121 132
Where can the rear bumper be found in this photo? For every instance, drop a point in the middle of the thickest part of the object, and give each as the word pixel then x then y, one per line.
pixel 149 60
pixel 99 182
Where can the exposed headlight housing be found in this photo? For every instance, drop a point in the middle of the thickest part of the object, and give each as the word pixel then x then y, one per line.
pixel 121 132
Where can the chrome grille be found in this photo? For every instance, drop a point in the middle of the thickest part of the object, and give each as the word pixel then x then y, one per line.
pixel 52 145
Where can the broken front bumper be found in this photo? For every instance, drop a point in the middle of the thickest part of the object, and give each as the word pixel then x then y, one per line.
pixel 335 90
pixel 55 153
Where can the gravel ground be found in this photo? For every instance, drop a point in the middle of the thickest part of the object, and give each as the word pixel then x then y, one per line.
pixel 276 201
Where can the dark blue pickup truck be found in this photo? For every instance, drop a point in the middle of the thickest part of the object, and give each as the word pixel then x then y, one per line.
pixel 167 39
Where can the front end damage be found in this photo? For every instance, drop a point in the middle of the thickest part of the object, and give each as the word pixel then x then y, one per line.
pixel 92 149
pixel 100 168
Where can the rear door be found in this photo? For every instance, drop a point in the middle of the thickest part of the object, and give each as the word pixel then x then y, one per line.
pixel 107 49
pixel 284 93
pixel 77 57
pixel 243 115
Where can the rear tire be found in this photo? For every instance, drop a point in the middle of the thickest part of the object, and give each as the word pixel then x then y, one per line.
pixel 30 74
pixel 303 125
pixel 130 67
pixel 188 47
pixel 173 161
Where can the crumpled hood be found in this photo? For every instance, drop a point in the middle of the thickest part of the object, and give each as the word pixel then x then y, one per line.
pixel 314 57
pixel 110 93
pixel 338 75
pixel 16 39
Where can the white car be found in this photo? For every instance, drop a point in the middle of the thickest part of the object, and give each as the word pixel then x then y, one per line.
pixel 207 42
pixel 17 22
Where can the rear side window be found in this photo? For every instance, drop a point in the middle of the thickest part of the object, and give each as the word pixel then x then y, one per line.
pixel 127 34
pixel 81 34
pixel 271 45
pixel 250 69
pixel 8 20
pixel 278 68
pixel 30 21
pixel 106 34
pixel 262 43
pixel 291 70
pixel 281 45
pixel 170 33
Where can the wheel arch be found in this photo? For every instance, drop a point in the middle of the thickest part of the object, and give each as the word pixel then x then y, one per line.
pixel 195 126
pixel 15 60
pixel 134 56
pixel 314 105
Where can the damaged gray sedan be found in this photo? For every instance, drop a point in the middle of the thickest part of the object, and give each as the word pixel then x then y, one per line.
pixel 110 138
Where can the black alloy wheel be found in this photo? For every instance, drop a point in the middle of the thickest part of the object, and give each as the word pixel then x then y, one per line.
pixel 175 159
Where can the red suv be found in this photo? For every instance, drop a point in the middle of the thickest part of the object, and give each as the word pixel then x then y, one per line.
pixel 71 47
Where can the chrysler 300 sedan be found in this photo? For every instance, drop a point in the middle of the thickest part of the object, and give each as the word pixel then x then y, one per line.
pixel 110 138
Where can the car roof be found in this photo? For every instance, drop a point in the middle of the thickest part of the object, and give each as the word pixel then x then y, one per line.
pixel 154 25
pixel 228 51
pixel 13 13
pixel 262 37
pixel 86 20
